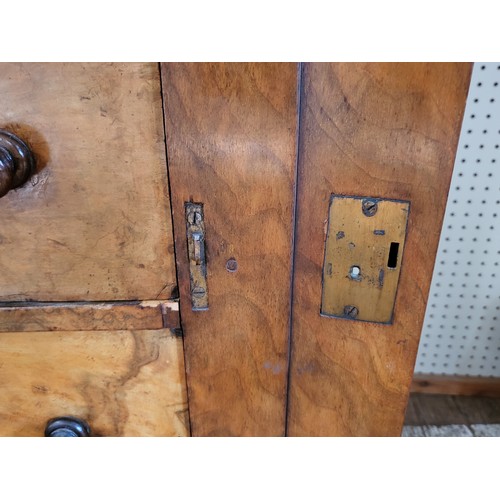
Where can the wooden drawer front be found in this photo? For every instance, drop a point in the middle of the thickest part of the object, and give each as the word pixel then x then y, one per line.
pixel 124 383
pixel 94 222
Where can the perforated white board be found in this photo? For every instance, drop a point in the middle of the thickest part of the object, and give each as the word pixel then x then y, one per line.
pixel 461 333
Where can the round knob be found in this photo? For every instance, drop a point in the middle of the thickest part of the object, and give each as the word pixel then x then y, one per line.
pixel 17 162
pixel 67 427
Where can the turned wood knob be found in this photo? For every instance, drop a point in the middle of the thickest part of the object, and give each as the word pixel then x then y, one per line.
pixel 17 162
pixel 67 427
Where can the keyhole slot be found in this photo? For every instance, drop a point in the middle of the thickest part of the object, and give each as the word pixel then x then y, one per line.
pixel 392 261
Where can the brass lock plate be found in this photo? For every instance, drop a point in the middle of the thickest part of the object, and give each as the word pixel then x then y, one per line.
pixel 363 254
pixel 195 231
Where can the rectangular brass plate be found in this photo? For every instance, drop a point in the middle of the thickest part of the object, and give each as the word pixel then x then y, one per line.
pixel 363 254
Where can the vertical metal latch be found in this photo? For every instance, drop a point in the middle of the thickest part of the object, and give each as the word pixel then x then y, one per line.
pixel 195 229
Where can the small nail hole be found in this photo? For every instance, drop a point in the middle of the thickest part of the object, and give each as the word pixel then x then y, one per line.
pixel 232 265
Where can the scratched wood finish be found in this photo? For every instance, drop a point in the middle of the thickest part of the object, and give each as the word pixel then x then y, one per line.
pixel 124 383
pixel 378 130
pixel 65 316
pixel 94 223
pixel 231 141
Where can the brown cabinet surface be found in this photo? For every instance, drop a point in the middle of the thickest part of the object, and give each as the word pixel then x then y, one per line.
pixel 374 130
pixel 90 324
pixel 124 383
pixel 94 222
pixel 86 250
pixel 243 141
pixel 231 132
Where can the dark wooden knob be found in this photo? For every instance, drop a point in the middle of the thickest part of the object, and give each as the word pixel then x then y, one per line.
pixel 67 427
pixel 17 162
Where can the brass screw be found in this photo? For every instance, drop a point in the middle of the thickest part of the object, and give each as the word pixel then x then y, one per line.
pixel 351 311
pixel 198 292
pixel 194 217
pixel 369 207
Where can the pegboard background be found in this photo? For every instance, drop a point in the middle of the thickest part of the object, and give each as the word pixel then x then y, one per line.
pixel 461 333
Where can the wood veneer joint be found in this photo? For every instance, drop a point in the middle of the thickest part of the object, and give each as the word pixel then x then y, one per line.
pixel 87 316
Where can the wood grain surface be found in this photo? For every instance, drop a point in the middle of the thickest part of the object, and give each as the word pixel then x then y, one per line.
pixel 456 385
pixel 385 131
pixel 124 383
pixel 94 222
pixel 231 142
pixel 67 316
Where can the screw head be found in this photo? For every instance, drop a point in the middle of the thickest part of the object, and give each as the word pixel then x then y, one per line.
pixel 351 311
pixel 231 265
pixel 369 207
pixel 194 217
pixel 198 292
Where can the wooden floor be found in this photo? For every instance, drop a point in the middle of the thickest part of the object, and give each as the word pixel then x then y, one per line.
pixel 440 415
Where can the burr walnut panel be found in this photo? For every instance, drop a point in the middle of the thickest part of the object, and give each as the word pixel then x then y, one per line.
pixel 94 221
pixel 123 383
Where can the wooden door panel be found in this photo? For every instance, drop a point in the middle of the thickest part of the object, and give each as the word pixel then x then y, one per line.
pixel 123 383
pixel 231 142
pixel 94 222
pixel 370 130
